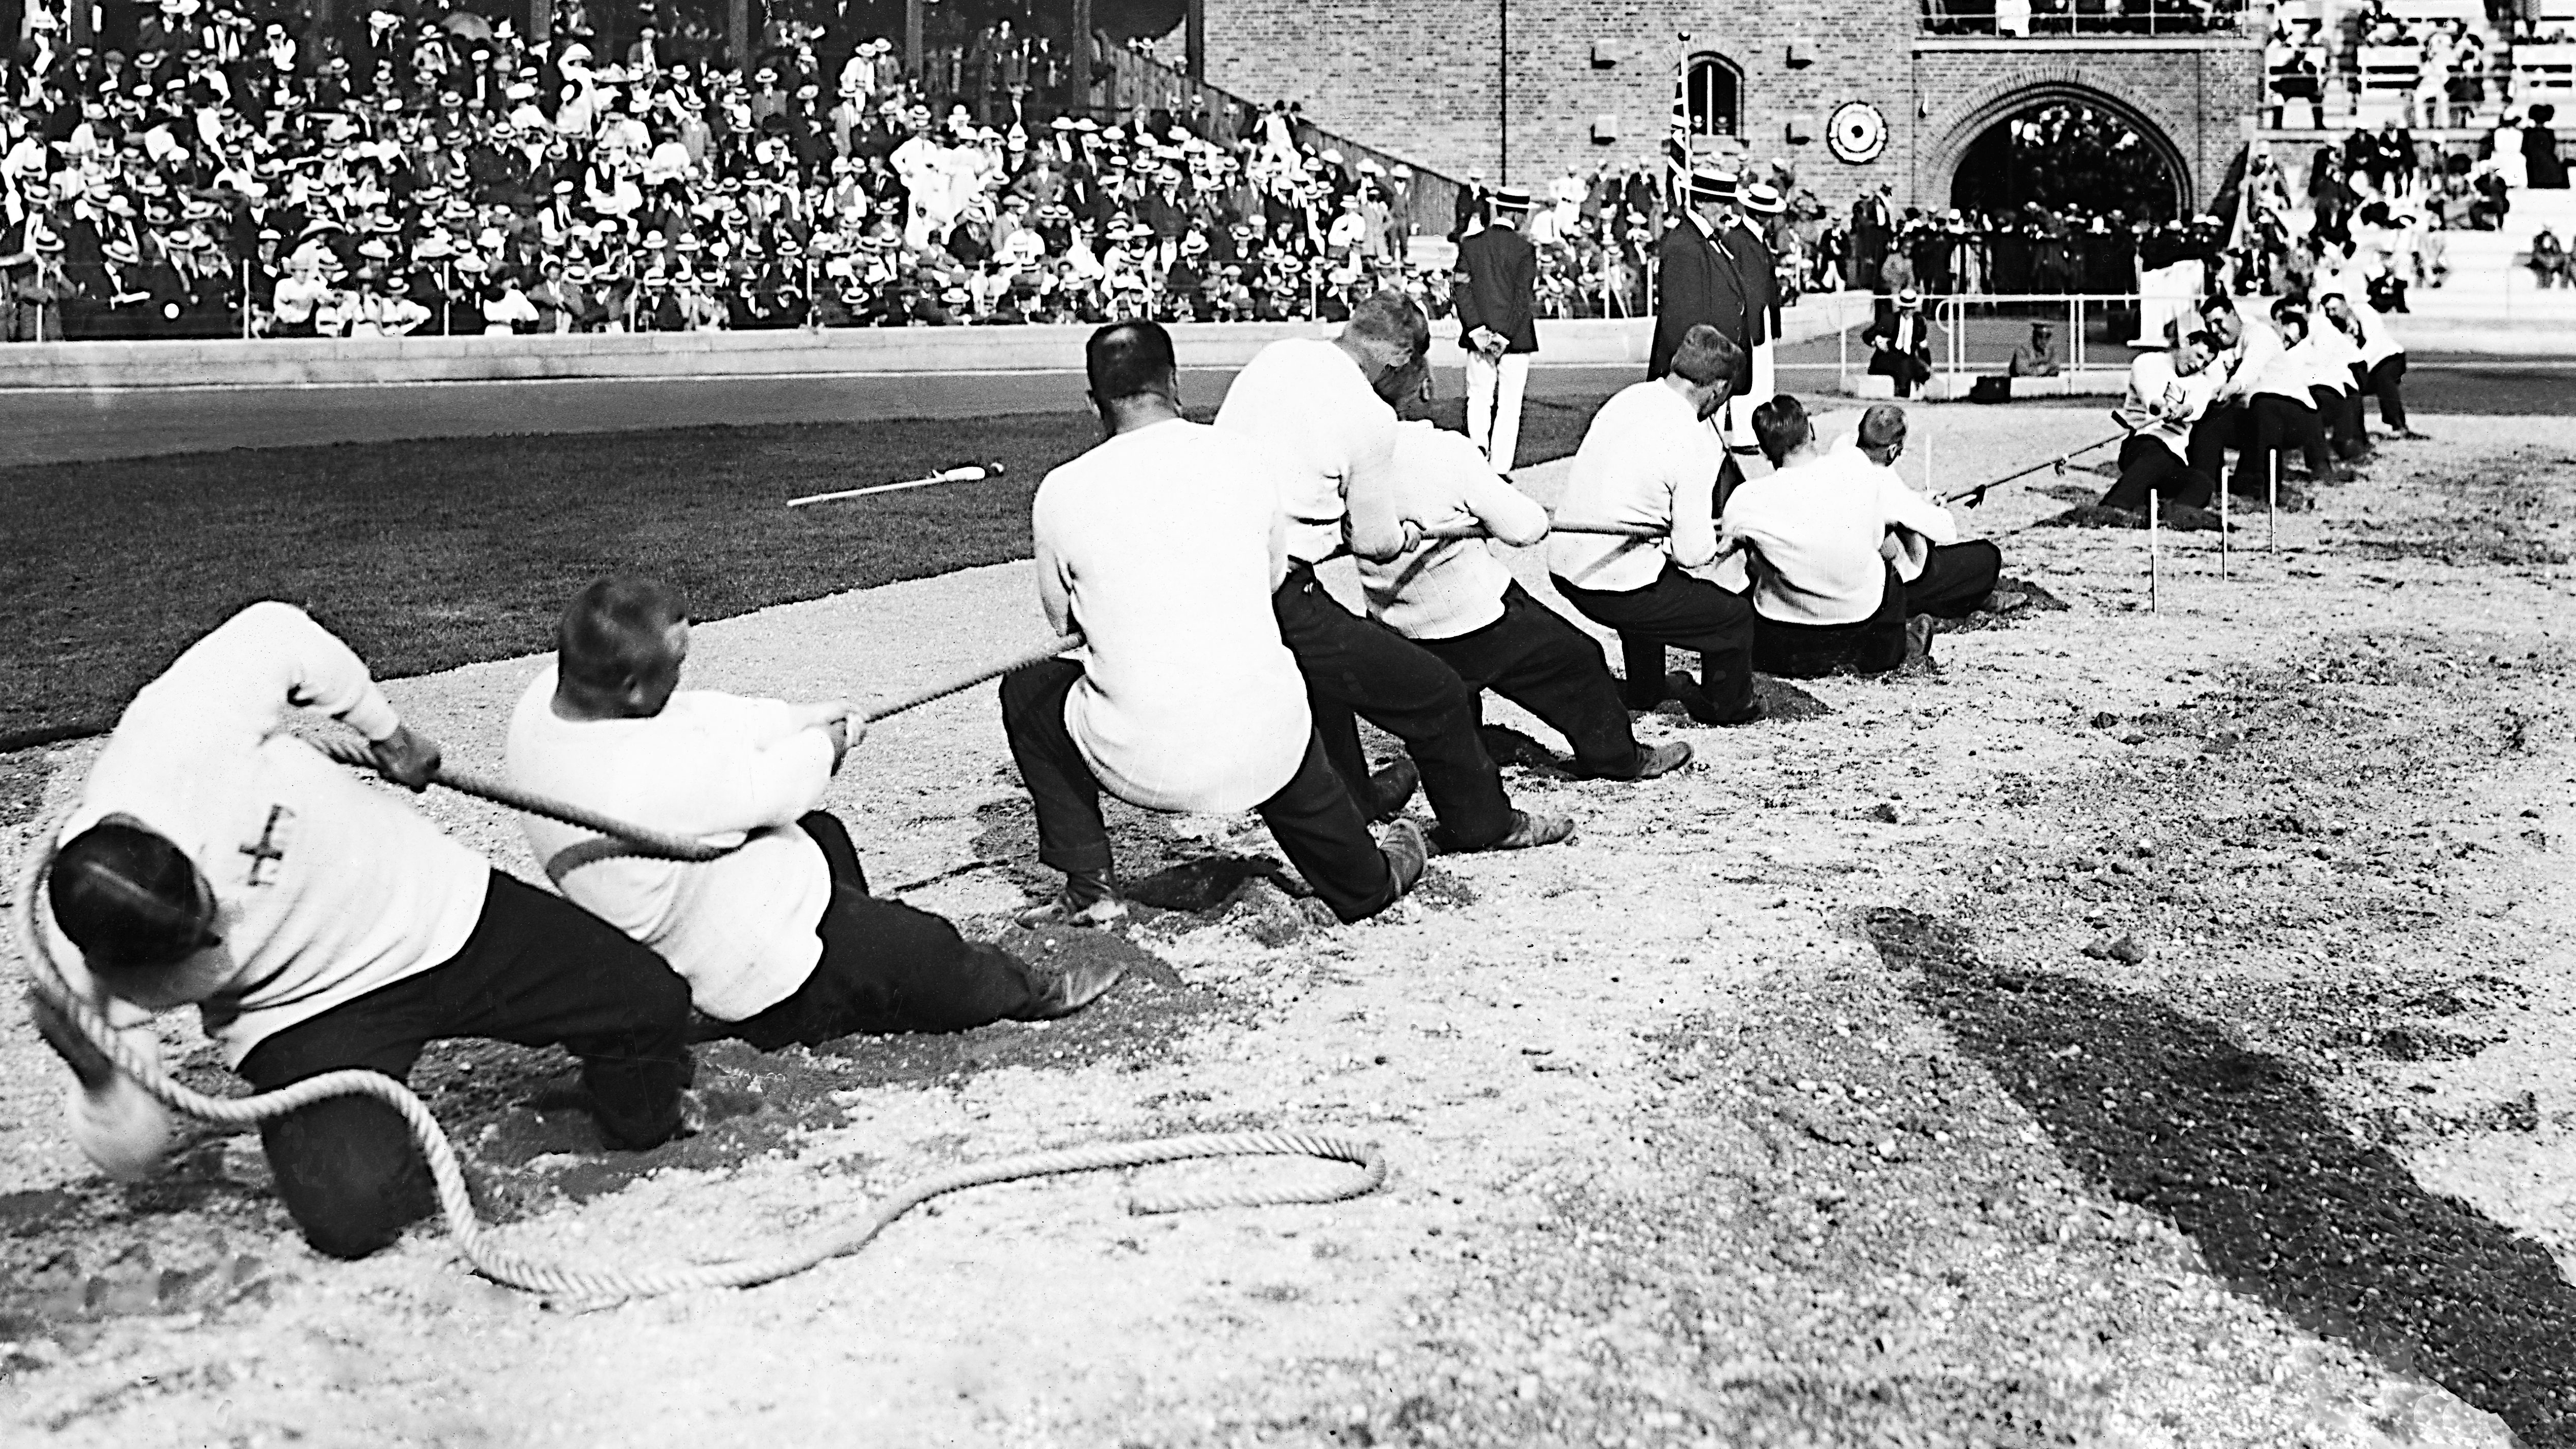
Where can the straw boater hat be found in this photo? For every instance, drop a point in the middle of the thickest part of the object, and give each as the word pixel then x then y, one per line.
pixel 1765 200
pixel 1709 183
pixel 1511 198
pixel 1909 300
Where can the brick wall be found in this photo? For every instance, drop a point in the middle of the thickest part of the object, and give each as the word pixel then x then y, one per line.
pixel 1423 79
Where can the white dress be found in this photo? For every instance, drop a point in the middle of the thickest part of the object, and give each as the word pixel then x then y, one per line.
pixel 2508 156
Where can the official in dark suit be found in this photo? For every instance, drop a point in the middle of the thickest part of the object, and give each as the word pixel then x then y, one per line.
pixel 1697 279
pixel 1497 299
pixel 1760 271
pixel 1872 227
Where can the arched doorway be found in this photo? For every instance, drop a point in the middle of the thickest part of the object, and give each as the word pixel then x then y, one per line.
pixel 2053 187
pixel 2068 154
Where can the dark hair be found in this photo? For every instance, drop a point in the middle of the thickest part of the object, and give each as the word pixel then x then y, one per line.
pixel 2200 337
pixel 612 630
pixel 1392 325
pixel 1707 355
pixel 1882 426
pixel 2287 308
pixel 1780 425
pixel 127 896
pixel 2212 306
pixel 1128 359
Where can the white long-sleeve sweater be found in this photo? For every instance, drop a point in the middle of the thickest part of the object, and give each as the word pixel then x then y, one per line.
pixel 1442 588
pixel 720 767
pixel 1821 526
pixel 1647 459
pixel 325 888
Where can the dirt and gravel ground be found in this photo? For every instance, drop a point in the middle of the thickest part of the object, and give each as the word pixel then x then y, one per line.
pixel 2141 1029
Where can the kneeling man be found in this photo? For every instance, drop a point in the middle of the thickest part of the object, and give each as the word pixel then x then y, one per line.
pixel 1162 547
pixel 1455 599
pixel 1823 532
pixel 779 939
pixel 216 860
pixel 1650 458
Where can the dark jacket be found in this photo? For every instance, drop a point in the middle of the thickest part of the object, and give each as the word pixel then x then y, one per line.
pixel 1497 287
pixel 1698 283
pixel 1759 273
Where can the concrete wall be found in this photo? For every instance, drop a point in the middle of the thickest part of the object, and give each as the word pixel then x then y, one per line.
pixel 1428 79
pixel 920 350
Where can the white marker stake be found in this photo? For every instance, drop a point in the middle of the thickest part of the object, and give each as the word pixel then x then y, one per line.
pixel 2155 549
pixel 2272 508
pixel 2222 528
pixel 954 475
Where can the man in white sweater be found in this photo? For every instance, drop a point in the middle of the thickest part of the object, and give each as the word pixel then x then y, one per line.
pixel 216 860
pixel 1323 414
pixel 1651 458
pixel 1455 599
pixel 2168 391
pixel 1161 547
pixel 1822 531
pixel 779 940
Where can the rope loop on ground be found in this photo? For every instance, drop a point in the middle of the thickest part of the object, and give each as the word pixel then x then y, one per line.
pixel 582 1286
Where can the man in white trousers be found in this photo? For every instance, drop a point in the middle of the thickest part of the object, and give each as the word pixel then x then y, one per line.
pixel 1497 299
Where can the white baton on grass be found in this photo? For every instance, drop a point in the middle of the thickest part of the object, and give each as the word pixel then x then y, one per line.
pixel 971 473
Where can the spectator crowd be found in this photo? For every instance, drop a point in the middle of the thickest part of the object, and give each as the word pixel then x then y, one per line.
pixel 235 168
pixel 425 171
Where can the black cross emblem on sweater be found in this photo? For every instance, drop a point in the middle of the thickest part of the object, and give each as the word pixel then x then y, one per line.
pixel 263 851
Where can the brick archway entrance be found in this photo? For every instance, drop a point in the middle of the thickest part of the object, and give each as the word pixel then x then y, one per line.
pixel 1953 133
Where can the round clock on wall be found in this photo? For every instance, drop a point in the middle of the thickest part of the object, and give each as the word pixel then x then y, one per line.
pixel 1857 133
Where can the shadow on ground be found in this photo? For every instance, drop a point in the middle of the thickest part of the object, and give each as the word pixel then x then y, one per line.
pixel 2237 1150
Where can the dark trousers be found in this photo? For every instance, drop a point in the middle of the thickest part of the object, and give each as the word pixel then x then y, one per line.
pixel 2339 413
pixel 1356 669
pixel 2223 426
pixel 1909 370
pixel 1534 658
pixel 2385 381
pixel 538 971
pixel 1956 578
pixel 2279 426
pixel 1680 612
pixel 1874 645
pixel 2147 466
pixel 1313 817
pixel 886 967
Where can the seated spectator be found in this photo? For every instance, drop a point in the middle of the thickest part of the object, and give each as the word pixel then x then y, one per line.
pixel 2548 259
pixel 2038 356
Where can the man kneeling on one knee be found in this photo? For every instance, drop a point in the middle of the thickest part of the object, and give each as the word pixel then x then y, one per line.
pixel 1650 460
pixel 1161 547
pixel 1455 599
pixel 778 938
pixel 1831 535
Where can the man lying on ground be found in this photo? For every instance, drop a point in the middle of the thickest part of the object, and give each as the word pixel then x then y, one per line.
pixel 779 939
pixel 1162 547
pixel 217 861
pixel 1826 595
pixel 1650 458
pixel 1455 599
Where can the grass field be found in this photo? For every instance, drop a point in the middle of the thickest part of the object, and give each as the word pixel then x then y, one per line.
pixel 427 555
